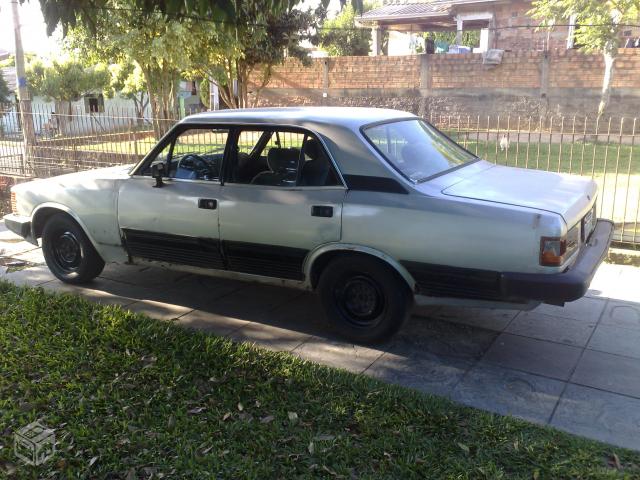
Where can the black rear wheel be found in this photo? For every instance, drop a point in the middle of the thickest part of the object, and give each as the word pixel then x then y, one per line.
pixel 68 251
pixel 364 300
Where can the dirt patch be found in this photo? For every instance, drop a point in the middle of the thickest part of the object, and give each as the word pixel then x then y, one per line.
pixel 618 256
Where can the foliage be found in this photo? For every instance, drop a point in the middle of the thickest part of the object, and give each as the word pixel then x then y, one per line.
pixel 599 28
pixel 88 14
pixel 470 38
pixel 340 36
pixel 127 81
pixel 5 93
pixel 132 397
pixel 157 46
pixel 67 80
pixel 249 50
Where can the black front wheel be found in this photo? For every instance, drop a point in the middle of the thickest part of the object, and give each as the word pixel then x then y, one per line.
pixel 68 251
pixel 364 300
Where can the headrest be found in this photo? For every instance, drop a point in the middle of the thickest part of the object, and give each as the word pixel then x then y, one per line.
pixel 282 159
pixel 312 148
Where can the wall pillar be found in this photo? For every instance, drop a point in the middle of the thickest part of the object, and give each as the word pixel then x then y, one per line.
pixel 376 41
pixel 460 25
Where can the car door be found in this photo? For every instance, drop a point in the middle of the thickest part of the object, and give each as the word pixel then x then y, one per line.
pixel 282 197
pixel 178 221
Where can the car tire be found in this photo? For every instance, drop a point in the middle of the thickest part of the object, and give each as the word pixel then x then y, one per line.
pixel 364 300
pixel 68 251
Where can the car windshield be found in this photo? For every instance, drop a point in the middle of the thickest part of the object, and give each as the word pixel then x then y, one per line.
pixel 416 149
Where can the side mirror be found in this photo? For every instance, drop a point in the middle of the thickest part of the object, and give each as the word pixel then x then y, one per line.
pixel 157 172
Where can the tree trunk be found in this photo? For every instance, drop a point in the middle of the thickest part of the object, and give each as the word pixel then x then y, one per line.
pixel 610 54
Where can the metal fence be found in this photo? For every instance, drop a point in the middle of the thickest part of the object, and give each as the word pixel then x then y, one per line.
pixel 604 150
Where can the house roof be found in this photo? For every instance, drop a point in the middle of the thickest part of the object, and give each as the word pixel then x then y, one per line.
pixel 415 9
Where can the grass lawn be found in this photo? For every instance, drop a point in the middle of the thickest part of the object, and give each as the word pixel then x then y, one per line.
pixel 132 398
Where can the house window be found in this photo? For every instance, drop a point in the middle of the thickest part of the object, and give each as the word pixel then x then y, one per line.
pixel 94 103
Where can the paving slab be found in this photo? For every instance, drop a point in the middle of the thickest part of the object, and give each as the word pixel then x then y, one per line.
pixel 553 328
pixel 586 309
pixel 270 337
pixel 211 322
pixel 335 353
pixel 616 340
pixel 98 296
pixel 599 415
pixel 159 310
pixel 251 302
pixel 488 318
pixel 420 336
pixel 539 357
pixel 605 282
pixel 605 371
pixel 32 276
pixel 303 314
pixel 32 256
pixel 198 291
pixel 622 314
pixel 433 374
pixel 142 275
pixel 509 392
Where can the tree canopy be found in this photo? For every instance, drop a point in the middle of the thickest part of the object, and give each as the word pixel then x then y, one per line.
pixel 250 50
pixel 66 81
pixel 340 37
pixel 598 27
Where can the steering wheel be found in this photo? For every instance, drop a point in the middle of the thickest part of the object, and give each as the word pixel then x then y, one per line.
pixel 198 165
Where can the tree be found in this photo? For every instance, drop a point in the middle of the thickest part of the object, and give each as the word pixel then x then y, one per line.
pixel 599 25
pixel 66 81
pixel 5 93
pixel 231 56
pixel 339 36
pixel 87 13
pixel 157 45
pixel 127 81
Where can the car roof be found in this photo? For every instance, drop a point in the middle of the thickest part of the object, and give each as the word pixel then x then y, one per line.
pixel 351 117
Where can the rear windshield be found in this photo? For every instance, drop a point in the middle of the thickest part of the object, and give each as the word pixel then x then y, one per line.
pixel 416 149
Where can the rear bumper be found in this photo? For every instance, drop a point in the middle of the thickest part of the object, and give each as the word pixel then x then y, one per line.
pixel 572 284
pixel 20 226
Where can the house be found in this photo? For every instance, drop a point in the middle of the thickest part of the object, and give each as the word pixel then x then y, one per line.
pixel 502 24
pixel 92 113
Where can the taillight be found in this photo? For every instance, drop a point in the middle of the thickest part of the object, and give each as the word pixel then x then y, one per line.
pixel 14 203
pixel 554 251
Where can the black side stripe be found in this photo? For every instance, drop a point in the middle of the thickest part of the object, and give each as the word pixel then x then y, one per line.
pixel 374 184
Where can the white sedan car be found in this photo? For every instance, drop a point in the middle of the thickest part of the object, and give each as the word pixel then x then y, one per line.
pixel 374 209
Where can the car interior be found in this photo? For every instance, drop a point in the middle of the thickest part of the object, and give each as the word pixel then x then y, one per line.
pixel 259 157
pixel 283 159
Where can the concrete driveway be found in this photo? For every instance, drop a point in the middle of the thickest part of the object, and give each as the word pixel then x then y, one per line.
pixel 576 368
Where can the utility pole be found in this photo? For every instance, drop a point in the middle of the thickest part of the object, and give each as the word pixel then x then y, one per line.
pixel 24 100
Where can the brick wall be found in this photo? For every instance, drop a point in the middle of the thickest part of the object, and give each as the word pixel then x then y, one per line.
pixel 526 83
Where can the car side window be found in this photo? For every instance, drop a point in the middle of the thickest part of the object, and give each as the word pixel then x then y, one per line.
pixel 194 154
pixel 280 158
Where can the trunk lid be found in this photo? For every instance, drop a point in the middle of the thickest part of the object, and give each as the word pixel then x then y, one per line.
pixel 570 196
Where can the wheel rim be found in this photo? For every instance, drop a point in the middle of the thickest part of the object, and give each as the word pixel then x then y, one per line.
pixel 360 300
pixel 67 252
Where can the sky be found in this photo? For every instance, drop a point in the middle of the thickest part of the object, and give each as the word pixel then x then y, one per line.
pixel 34 33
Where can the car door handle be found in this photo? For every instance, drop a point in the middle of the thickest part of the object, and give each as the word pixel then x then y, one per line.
pixel 321 211
pixel 207 203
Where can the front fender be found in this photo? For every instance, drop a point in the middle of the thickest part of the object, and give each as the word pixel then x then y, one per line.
pixel 42 212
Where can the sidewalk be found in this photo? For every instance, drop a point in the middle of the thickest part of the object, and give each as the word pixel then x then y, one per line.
pixel 576 368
